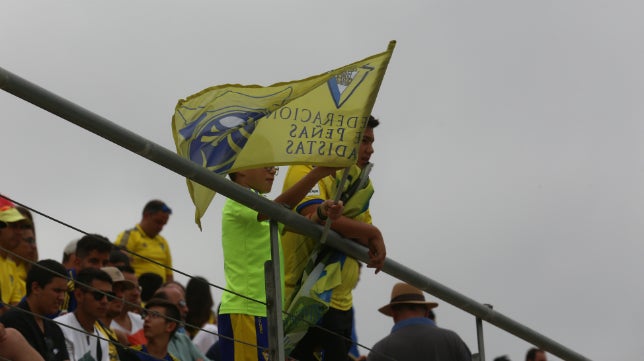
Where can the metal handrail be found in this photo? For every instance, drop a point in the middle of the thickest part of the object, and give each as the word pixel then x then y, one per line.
pixel 104 128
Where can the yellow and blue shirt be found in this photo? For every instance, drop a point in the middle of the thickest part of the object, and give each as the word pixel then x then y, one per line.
pixel 136 241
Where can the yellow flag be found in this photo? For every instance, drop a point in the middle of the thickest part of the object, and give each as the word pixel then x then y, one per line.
pixel 317 121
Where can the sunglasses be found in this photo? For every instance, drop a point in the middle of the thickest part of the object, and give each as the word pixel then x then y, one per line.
pixel 151 314
pixel 98 295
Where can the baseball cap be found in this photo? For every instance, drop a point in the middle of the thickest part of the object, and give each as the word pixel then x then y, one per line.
pixel 117 276
pixel 8 211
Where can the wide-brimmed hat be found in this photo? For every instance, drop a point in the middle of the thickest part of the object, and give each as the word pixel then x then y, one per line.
pixel 403 293
pixel 117 277
pixel 8 212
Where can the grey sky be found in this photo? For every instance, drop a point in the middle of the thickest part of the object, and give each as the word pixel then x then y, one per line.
pixel 508 166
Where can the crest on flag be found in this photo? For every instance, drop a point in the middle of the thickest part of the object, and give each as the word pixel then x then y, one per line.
pixel 343 85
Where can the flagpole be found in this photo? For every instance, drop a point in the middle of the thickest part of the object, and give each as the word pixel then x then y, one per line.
pixel 338 194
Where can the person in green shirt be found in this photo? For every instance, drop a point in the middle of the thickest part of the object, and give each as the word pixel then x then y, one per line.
pixel 246 245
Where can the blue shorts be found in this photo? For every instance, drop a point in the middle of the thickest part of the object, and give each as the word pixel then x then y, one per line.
pixel 243 337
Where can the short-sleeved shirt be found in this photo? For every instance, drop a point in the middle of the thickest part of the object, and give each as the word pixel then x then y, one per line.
pixel 12 288
pixel 136 241
pixel 83 346
pixel 50 344
pixel 247 245
pixel 298 248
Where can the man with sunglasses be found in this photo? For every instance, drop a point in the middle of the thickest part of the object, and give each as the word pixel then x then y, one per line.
pixel 12 288
pixel 45 292
pixel 144 240
pixel 84 341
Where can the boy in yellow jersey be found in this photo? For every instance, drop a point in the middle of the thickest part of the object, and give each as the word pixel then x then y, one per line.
pixel 355 223
pixel 246 245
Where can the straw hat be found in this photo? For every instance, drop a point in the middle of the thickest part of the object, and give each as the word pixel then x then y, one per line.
pixel 403 293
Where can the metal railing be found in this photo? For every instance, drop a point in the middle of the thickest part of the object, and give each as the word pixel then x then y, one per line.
pixel 104 128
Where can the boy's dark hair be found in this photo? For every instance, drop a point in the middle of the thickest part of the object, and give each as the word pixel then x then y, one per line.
pixel 91 242
pixel 43 272
pixel 87 275
pixel 532 353
pixel 172 313
pixel 372 122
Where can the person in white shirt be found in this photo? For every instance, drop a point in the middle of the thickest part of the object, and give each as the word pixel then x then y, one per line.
pixel 84 341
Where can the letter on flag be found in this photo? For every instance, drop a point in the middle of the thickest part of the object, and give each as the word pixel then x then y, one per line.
pixel 318 121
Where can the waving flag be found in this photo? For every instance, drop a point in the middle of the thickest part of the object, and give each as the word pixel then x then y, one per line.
pixel 316 121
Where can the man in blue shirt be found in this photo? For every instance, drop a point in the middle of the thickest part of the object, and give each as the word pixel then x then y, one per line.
pixel 414 336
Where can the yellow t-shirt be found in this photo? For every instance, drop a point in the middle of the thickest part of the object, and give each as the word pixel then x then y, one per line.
pixel 12 288
pixel 298 248
pixel 157 248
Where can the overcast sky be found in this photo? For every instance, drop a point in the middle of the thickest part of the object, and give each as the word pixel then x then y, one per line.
pixel 508 166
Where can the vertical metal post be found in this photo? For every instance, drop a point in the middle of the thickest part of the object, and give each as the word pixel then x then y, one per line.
pixel 274 298
pixel 479 335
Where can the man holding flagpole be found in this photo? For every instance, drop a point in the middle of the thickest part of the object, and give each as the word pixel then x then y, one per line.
pixel 355 224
